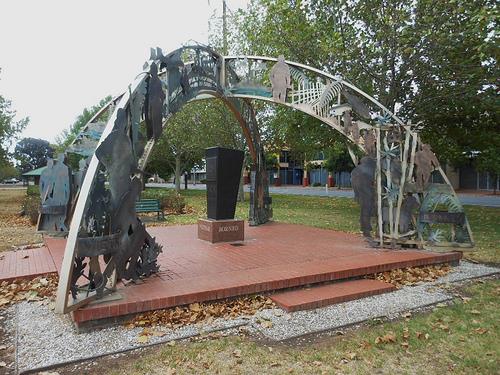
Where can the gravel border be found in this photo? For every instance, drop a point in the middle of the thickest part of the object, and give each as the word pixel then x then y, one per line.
pixel 45 338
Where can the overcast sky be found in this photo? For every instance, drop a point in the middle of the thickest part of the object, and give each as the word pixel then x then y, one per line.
pixel 58 57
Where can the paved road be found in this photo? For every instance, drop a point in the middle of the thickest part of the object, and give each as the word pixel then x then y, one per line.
pixel 468 199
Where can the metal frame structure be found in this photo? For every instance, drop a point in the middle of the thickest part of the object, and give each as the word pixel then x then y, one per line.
pixel 107 242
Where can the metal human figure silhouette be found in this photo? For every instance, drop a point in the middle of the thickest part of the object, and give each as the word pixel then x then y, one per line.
pixel 425 161
pixel 116 154
pixel 154 109
pixel 370 143
pixel 280 79
pixel 46 181
pixel 362 179
pixel 55 193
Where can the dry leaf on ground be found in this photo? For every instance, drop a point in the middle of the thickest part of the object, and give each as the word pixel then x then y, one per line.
pixel 201 312
pixel 413 275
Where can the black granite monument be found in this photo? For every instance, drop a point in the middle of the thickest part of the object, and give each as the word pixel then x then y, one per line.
pixel 223 179
pixel 223 168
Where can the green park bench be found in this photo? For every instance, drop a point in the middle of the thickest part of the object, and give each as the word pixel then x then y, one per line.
pixel 149 205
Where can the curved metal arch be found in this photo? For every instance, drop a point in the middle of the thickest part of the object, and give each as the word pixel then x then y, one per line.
pixel 324 74
pixel 208 73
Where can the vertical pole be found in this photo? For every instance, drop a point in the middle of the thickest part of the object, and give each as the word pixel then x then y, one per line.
pixel 379 190
pixel 389 187
pixel 402 182
pixel 224 28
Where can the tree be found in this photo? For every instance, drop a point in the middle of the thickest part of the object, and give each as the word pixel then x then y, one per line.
pixel 9 129
pixel 456 76
pixel 338 159
pixel 198 125
pixel 488 160
pixel 32 153
pixel 434 62
pixel 7 170
pixel 67 136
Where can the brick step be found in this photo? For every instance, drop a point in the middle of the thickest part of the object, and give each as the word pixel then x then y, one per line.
pixel 324 295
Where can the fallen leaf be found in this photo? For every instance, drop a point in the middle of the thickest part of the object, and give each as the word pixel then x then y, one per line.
pixel 481 330
pixel 387 338
pixel 142 339
pixel 352 356
pixel 266 324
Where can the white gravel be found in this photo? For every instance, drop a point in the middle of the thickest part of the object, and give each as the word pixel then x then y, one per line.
pixel 46 338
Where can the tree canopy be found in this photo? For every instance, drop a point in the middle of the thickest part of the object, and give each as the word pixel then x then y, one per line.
pixel 432 62
pixel 9 129
pixel 32 153
pixel 67 136
pixel 198 125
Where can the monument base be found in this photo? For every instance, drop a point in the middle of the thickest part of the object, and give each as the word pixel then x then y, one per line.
pixel 221 230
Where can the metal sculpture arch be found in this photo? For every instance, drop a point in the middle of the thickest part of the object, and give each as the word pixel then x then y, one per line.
pixel 106 240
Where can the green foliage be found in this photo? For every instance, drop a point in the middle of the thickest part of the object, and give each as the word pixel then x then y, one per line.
pixel 271 160
pixel 7 170
pixel 31 204
pixel 198 125
pixel 338 159
pixel 428 61
pixel 32 153
pixel 9 128
pixel 170 201
pixel 456 75
pixel 304 135
pixel 488 160
pixel 67 136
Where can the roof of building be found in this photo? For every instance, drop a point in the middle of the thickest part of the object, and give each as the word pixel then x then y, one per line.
pixel 35 172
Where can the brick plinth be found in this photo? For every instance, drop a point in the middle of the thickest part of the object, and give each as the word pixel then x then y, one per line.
pixel 221 230
pixel 273 256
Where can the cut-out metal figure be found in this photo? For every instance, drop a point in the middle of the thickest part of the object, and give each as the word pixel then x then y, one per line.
pixel 425 162
pixel 280 79
pixel 362 180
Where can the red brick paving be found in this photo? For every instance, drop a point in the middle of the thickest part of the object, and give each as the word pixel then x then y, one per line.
pixel 274 256
pixel 324 295
pixel 27 263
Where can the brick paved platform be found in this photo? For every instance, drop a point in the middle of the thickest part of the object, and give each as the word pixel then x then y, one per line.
pixel 324 295
pixel 27 263
pixel 273 256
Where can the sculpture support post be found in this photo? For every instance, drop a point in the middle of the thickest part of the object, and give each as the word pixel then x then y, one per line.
pixel 379 189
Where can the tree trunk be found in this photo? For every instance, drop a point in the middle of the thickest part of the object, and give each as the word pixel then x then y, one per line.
pixel 177 173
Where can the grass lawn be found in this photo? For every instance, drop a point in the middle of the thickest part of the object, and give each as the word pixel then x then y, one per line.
pixel 461 338
pixel 14 230
pixel 343 214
